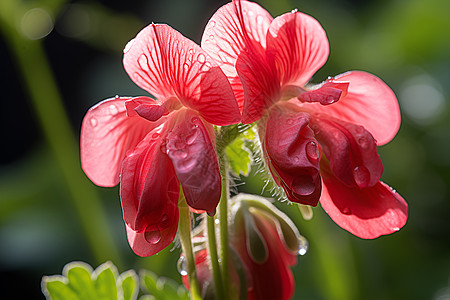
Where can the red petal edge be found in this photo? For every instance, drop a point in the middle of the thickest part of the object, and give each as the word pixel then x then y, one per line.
pixel 367 213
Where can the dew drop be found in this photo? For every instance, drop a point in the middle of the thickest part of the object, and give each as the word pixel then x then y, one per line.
pixel 212 37
pixel 186 67
pixel 216 221
pixel 128 46
pixel 178 154
pixel 303 245
pixel 116 97
pixel 143 62
pixel 155 135
pixel 259 19
pixel 163 147
pixel 201 58
pixel 190 139
pixel 196 121
pixel 182 266
pixel 113 110
pixel 153 236
pixel 94 122
pixel 362 176
pixel 303 185
pixel 346 211
pixel 312 151
pixel 395 229
pixel 212 23
pixel 294 10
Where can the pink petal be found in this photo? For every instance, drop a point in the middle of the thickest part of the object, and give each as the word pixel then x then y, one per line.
pixel 329 92
pixel 366 213
pixel 351 150
pixel 106 135
pixel 149 188
pixel 298 46
pixel 190 146
pixel 142 247
pixel 167 64
pixel 293 154
pixel 370 103
pixel 224 38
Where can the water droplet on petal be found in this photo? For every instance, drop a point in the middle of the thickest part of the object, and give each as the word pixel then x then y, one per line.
pixel 294 10
pixel 93 122
pixel 211 37
pixel 259 19
pixel 362 176
pixel 216 221
pixel 346 211
pixel 303 245
pixel 304 185
pixel 128 46
pixel 312 151
pixel 116 96
pixel 395 229
pixel 153 236
pixel 182 266
pixel 190 139
pixel 179 154
pixel 186 67
pixel 196 121
pixel 163 147
pixel 113 110
pixel 201 58
pixel 212 23
pixel 155 135
pixel 143 62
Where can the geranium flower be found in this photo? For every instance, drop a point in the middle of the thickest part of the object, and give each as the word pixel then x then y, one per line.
pixel 153 146
pixel 311 135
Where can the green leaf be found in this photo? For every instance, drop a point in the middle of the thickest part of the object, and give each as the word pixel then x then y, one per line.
pixel 79 276
pixel 105 283
pixel 55 288
pixel 129 283
pixel 239 157
pixel 162 288
pixel 80 282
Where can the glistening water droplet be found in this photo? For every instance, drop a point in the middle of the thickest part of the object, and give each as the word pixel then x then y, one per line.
pixel 201 58
pixel 153 236
pixel 128 46
pixel 312 151
pixel 303 245
pixel 113 110
pixel 93 122
pixel 362 176
pixel 182 266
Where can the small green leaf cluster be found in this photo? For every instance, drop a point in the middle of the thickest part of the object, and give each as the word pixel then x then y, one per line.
pixel 80 282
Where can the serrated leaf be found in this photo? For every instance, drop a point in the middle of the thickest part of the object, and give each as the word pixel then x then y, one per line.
pixel 105 281
pixel 129 283
pixel 239 157
pixel 55 288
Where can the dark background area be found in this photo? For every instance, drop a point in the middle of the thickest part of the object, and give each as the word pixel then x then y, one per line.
pixel 404 42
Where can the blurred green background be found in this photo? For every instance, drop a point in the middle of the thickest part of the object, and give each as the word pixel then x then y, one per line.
pixel 58 58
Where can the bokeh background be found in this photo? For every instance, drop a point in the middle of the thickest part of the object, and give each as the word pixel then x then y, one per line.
pixel 58 58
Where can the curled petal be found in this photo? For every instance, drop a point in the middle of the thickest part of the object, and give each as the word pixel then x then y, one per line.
pixel 329 92
pixel 293 154
pixel 367 213
pixel 369 102
pixel 298 46
pixel 168 65
pixel 106 135
pixel 190 146
pixel 149 188
pixel 351 150
pixel 233 29
pixel 143 243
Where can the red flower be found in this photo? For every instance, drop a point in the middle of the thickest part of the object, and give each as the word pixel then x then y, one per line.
pixel 268 62
pixel 153 146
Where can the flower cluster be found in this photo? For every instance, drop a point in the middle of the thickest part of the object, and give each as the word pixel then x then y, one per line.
pixel 319 142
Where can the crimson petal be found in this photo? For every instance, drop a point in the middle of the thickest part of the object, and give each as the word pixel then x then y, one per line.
pixel 293 154
pixel 149 188
pixel 367 213
pixel 190 146
pixel 351 150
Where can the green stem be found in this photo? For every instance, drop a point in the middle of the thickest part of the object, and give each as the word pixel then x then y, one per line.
pixel 223 217
pixel 46 100
pixel 184 232
pixel 211 230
